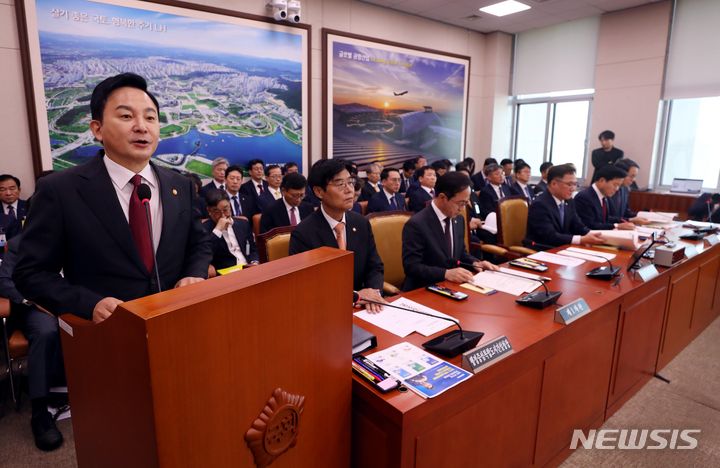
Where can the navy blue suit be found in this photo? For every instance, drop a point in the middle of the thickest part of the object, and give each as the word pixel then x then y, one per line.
pixel 544 226
pixel 207 188
pixel 621 203
pixel 76 224
pixel 367 191
pixel 10 226
pixel 424 250
pixel 276 215
pixel 489 199
pixel 590 210
pixel 265 200
pixel 248 205
pixel 379 202
pixel 529 194
pixel 478 181
pixel 541 187
pixel 249 188
pixel 222 257
pixel 418 199
pixel 314 231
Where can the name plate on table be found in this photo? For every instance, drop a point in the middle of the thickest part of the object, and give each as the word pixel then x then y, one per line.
pixel 713 240
pixel 567 314
pixel 486 355
pixel 691 250
pixel 648 272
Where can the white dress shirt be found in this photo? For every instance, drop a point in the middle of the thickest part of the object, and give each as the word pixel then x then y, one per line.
pixel 332 222
pixel 441 216
pixel 122 182
pixel 575 238
pixel 289 207
pixel 232 243
pixel 6 208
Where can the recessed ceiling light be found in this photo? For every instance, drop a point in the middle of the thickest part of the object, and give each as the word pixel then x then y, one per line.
pixel 507 7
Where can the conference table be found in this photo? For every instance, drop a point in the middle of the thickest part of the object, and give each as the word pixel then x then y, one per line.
pixel 522 410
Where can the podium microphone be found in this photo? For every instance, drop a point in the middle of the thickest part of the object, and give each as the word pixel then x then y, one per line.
pixel 538 299
pixel 603 272
pixel 448 344
pixel 144 194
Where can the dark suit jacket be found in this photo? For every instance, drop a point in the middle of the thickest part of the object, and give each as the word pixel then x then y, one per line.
pixel 379 202
pixel 367 191
pixel 698 211
pixel 418 199
pixel 478 181
pixel 276 215
pixel 544 227
pixel 424 252
pixel 207 188
pixel 517 190
pixel 590 210
pixel 12 227
pixel 249 188
pixel 76 224
pixel 541 187
pixel 489 199
pixel 265 200
pixel 222 258
pixel 620 203
pixel 248 205
pixel 314 231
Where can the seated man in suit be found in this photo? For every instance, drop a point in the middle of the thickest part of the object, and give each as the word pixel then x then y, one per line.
pixel 406 175
pixel 541 186
pixel 593 203
pixel 334 225
pixel 219 165
pixel 621 200
pixel 522 179
pixel 389 198
pixel 420 197
pixel 289 210
pixel 494 190
pixel 479 179
pixel 706 208
pixel 13 209
pixel 441 167
pixel 372 184
pixel 241 203
pixel 232 239
pixel 552 219
pixel 507 167
pixel 256 186
pixel 434 238
pixel 273 174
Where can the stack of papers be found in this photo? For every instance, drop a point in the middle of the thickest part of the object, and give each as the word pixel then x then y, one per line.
pixel 701 224
pixel 628 240
pixel 506 283
pixel 548 257
pixel 648 231
pixel 421 372
pixel 657 216
pixel 402 323
pixel 585 254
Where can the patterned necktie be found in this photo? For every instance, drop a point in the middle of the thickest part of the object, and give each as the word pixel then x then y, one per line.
pixel 139 226
pixel 340 234
pixel 293 218
pixel 236 206
pixel 448 237
pixel 527 191
pixel 260 188
pixel 11 213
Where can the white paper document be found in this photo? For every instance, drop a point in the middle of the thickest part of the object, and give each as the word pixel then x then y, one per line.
pixel 524 274
pixel 648 231
pixel 505 283
pixel 490 223
pixel 701 224
pixel 657 216
pixel 402 323
pixel 547 257
pixel 628 240
pixel 590 255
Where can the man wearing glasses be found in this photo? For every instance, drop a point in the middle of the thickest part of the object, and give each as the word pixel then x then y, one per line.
pixel 552 219
pixel 434 238
pixel 289 210
pixel 334 225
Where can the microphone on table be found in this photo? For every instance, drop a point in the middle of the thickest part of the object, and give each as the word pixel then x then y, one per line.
pixel 603 272
pixel 538 299
pixel 541 246
pixel 448 344
pixel 708 202
pixel 145 194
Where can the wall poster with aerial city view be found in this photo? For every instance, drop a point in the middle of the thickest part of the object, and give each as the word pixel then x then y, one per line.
pixel 387 102
pixel 227 85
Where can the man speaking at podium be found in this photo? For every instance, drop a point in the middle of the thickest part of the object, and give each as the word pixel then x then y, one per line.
pixel 89 223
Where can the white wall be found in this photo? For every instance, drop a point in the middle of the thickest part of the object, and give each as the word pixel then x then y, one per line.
pixel 488 126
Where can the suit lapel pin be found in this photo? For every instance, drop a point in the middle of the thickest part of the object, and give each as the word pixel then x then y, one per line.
pixel 174 192
pixel 354 230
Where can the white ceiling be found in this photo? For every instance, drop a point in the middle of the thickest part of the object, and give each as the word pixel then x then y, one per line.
pixel 543 12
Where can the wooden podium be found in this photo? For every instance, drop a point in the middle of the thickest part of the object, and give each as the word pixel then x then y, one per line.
pixel 179 378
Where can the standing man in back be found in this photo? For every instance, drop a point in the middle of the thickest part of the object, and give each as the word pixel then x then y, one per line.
pixel 607 154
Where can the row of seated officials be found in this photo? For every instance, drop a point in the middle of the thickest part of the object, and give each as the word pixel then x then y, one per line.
pixel 326 212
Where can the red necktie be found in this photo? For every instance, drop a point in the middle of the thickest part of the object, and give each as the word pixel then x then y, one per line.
pixel 604 209
pixel 139 226
pixel 293 218
pixel 260 187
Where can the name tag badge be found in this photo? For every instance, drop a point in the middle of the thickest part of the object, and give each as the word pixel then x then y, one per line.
pixel 486 355
pixel 648 272
pixel 713 240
